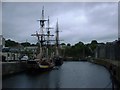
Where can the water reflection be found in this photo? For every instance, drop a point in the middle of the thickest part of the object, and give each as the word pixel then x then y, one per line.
pixel 69 75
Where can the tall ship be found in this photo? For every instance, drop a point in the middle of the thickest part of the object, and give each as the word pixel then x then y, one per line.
pixel 42 60
pixel 58 60
pixel 45 59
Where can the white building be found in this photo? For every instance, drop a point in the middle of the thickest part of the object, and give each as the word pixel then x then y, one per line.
pixel 2 41
pixel 10 54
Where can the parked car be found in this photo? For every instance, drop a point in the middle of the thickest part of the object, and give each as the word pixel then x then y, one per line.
pixel 25 57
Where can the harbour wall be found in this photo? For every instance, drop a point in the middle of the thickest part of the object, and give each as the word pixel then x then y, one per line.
pixel 9 68
pixel 112 65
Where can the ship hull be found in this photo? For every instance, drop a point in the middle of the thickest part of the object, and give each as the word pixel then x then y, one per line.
pixel 58 61
pixel 35 67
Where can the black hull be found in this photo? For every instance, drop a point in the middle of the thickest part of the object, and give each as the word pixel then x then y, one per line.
pixel 38 70
pixel 34 67
pixel 58 61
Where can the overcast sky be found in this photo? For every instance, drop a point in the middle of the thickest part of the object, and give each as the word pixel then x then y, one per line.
pixel 83 21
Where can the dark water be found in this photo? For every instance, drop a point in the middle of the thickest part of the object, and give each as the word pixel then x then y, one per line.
pixel 69 75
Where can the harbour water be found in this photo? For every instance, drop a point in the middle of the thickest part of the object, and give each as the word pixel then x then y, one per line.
pixel 69 75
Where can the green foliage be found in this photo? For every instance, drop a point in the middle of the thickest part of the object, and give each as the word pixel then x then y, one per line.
pixel 63 44
pixel 68 44
pixel 10 43
pixel 33 45
pixel 81 50
pixel 25 44
pixel 93 45
pixel 94 42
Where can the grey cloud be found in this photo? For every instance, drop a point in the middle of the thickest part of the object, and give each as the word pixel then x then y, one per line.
pixel 77 21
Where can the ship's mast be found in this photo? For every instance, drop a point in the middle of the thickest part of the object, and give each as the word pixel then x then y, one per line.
pixel 41 35
pixel 42 25
pixel 48 36
pixel 48 33
pixel 57 39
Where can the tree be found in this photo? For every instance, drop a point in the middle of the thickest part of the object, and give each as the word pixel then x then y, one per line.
pixel 68 44
pixel 79 43
pixel 62 44
pixel 93 45
pixel 25 44
pixel 81 50
pixel 10 43
pixel 33 45
pixel 94 42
